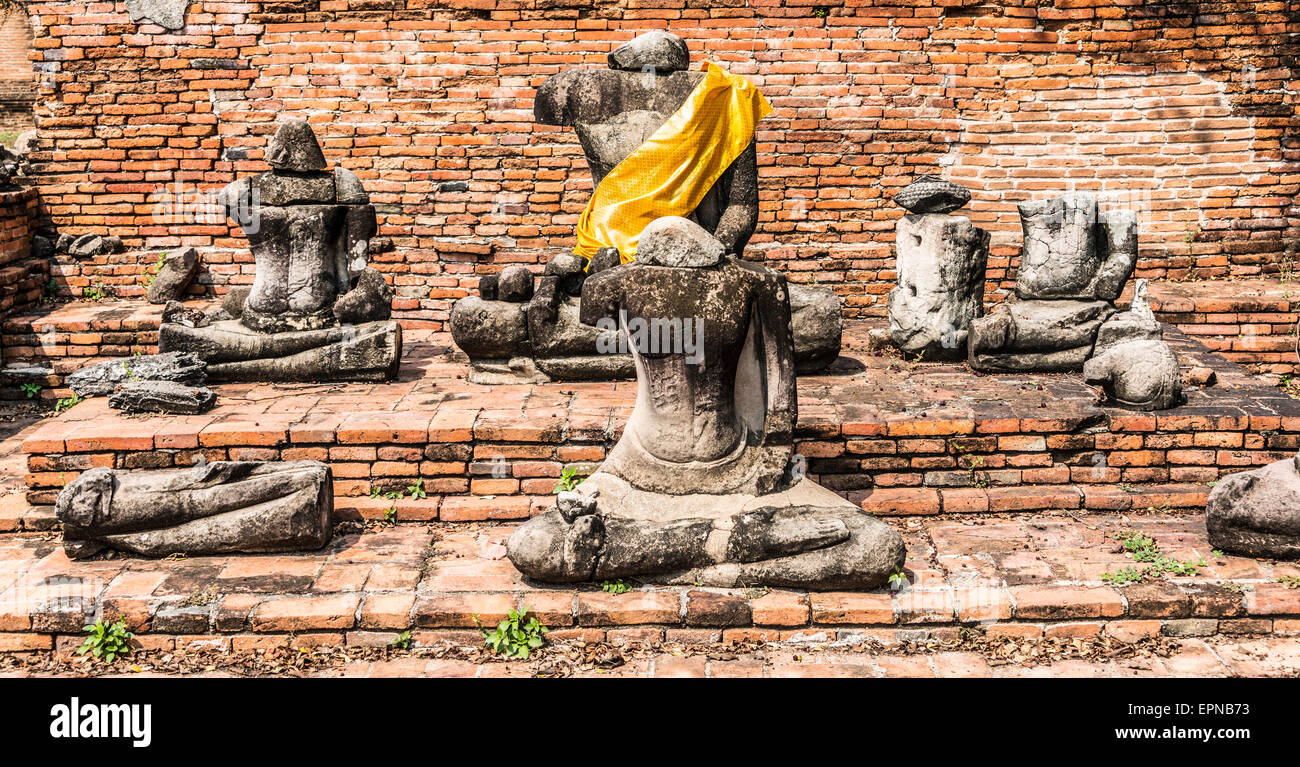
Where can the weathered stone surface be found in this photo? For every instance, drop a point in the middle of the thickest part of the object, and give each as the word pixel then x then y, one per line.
pixel 817 322
pixel 94 245
pixel 680 242
pixel 177 273
pixel 1257 512
pixel 655 51
pixel 515 284
pixel 1072 252
pixel 1141 375
pixel 368 352
pixel 42 247
pixel 489 329
pixel 369 300
pixel 1139 323
pixel 696 489
pixel 103 378
pixel 941 263
pixel 1131 363
pixel 233 301
pixel 175 311
pixel 295 148
pixel 930 194
pixel 569 270
pixel 1046 336
pixel 162 397
pixel 169 14
pixel 219 507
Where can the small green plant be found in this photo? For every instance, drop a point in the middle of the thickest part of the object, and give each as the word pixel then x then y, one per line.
pixel 516 636
pixel 1234 586
pixel 1143 548
pixel 897 579
pixel 155 269
pixel 417 490
pixel 66 402
pixel 390 515
pixel 402 641
pixel 30 389
pixel 1122 577
pixel 129 373
pixel 1290 581
pixel 615 587
pixel 569 480
pixel 94 293
pixel 819 13
pixel 1217 554
pixel 376 492
pixel 106 641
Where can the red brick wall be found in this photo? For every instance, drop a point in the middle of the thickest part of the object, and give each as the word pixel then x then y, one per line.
pixel 17 81
pixel 1183 110
pixel 21 278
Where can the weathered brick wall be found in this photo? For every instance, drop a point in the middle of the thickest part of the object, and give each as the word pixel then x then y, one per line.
pixel 17 81
pixel 22 278
pixel 1182 110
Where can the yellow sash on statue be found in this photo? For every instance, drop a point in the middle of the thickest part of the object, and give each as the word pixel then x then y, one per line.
pixel 671 172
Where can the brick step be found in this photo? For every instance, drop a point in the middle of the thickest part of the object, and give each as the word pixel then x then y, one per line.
pixel 1020 575
pixel 1252 322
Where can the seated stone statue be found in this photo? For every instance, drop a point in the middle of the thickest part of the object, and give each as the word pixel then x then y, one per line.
pixel 1257 512
pixel 215 508
pixel 514 335
pixel 1074 264
pixel 315 311
pixel 698 488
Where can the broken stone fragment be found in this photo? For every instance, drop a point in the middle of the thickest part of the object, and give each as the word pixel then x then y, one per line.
pixel 930 194
pixel 94 245
pixel 169 14
pixel 1199 376
pixel 177 312
pixel 103 378
pixel 174 278
pixel 656 51
pixel 678 242
pixel 1257 512
pixel 233 301
pixel 369 300
pixel 162 397
pixel 1139 375
pixel 817 322
pixel 515 284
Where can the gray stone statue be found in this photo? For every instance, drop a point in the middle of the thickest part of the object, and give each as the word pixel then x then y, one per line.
pixel 1257 512
pixel 215 508
pixel 513 334
pixel 941 260
pixel 1074 264
pixel 1134 366
pixel 699 489
pixel 316 311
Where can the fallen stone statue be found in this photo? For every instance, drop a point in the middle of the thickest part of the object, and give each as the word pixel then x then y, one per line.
pixel 219 507
pixel 699 488
pixel 315 311
pixel 1257 512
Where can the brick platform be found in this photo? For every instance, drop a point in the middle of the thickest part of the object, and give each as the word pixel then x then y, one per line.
pixel 1250 322
pixel 1017 575
pixel 896 437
